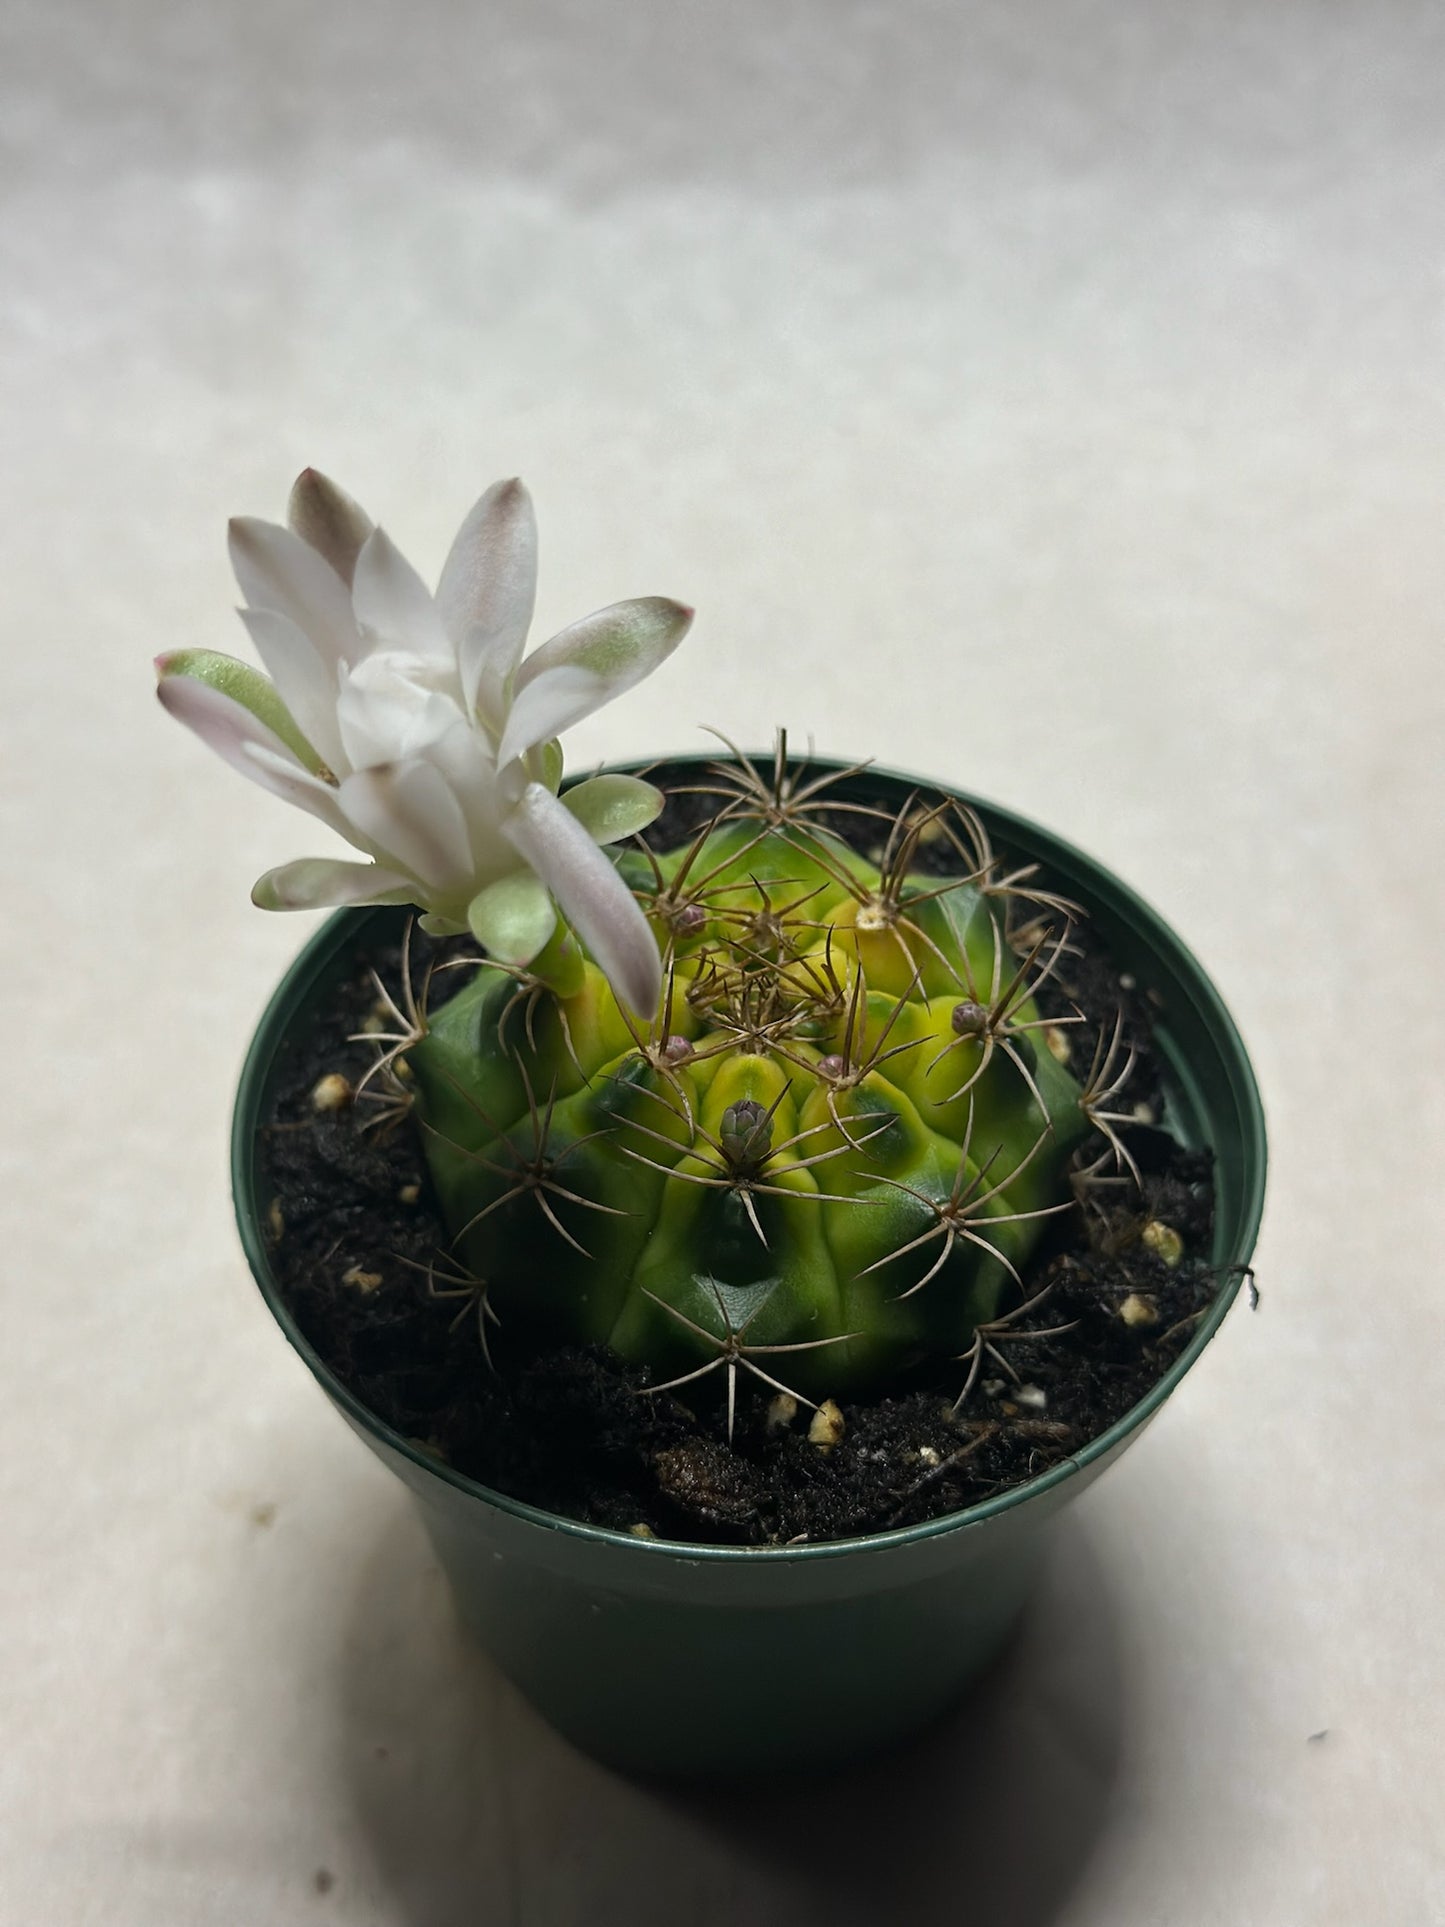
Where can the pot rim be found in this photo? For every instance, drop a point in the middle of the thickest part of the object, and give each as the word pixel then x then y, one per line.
pixel 319 952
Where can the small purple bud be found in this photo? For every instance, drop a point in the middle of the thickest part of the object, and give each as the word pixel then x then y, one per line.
pixel 746 1134
pixel 688 919
pixel 969 1019
pixel 677 1050
pixel 832 1067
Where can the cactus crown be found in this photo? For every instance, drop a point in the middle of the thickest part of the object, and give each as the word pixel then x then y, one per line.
pixel 839 1136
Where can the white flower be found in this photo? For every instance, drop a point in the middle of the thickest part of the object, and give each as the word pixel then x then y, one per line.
pixel 413 726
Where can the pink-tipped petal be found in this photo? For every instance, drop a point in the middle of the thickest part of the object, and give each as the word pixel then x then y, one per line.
pixel 326 518
pixel 246 685
pixel 325 883
pixel 407 811
pixel 488 589
pixel 235 734
pixel 619 645
pixel 594 899
pixel 278 571
pixel 587 664
pixel 393 605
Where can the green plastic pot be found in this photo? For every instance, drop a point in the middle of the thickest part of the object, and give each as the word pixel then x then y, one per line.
pixel 687 1660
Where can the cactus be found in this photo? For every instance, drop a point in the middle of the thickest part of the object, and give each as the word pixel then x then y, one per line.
pixel 828 1155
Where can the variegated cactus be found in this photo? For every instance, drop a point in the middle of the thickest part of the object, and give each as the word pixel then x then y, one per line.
pixel 824 1155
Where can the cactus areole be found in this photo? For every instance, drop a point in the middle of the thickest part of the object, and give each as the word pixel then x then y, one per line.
pixel 826 1154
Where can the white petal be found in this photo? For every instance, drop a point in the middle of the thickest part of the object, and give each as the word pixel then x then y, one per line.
pixel 323 883
pixel 586 665
pixel 465 760
pixel 230 729
pixel 388 713
pixel 407 812
pixel 513 918
pixel 393 602
pixel 548 706
pixel 620 644
pixel 326 518
pixel 280 775
pixel 612 807
pixel 488 589
pixel 594 899
pixel 247 686
pixel 277 570
pixel 308 681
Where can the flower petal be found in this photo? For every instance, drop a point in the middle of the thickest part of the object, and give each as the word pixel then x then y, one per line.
pixel 594 899
pixel 306 680
pixel 234 732
pixel 277 570
pixel 513 917
pixel 612 807
pixel 464 758
pixel 280 775
pixel 587 664
pixel 393 602
pixel 407 813
pixel 386 712
pixel 326 518
pixel 545 708
pixel 621 644
pixel 488 589
pixel 324 883
pixel 246 686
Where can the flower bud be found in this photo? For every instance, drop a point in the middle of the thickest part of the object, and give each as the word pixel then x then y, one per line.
pixel 746 1134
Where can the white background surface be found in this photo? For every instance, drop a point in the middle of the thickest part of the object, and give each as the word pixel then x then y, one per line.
pixel 1048 398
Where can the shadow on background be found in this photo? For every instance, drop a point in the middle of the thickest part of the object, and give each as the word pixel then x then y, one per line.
pixel 476 1812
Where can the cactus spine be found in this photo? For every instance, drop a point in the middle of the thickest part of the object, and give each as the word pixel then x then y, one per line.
pixel 829 1153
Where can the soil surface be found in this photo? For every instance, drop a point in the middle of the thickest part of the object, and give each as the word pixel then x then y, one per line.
pixel 360 1252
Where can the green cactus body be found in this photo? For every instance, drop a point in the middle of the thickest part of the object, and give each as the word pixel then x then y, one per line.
pixel 827 1175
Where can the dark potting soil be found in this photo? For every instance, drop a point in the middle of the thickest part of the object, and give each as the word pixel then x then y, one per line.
pixel 358 1248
